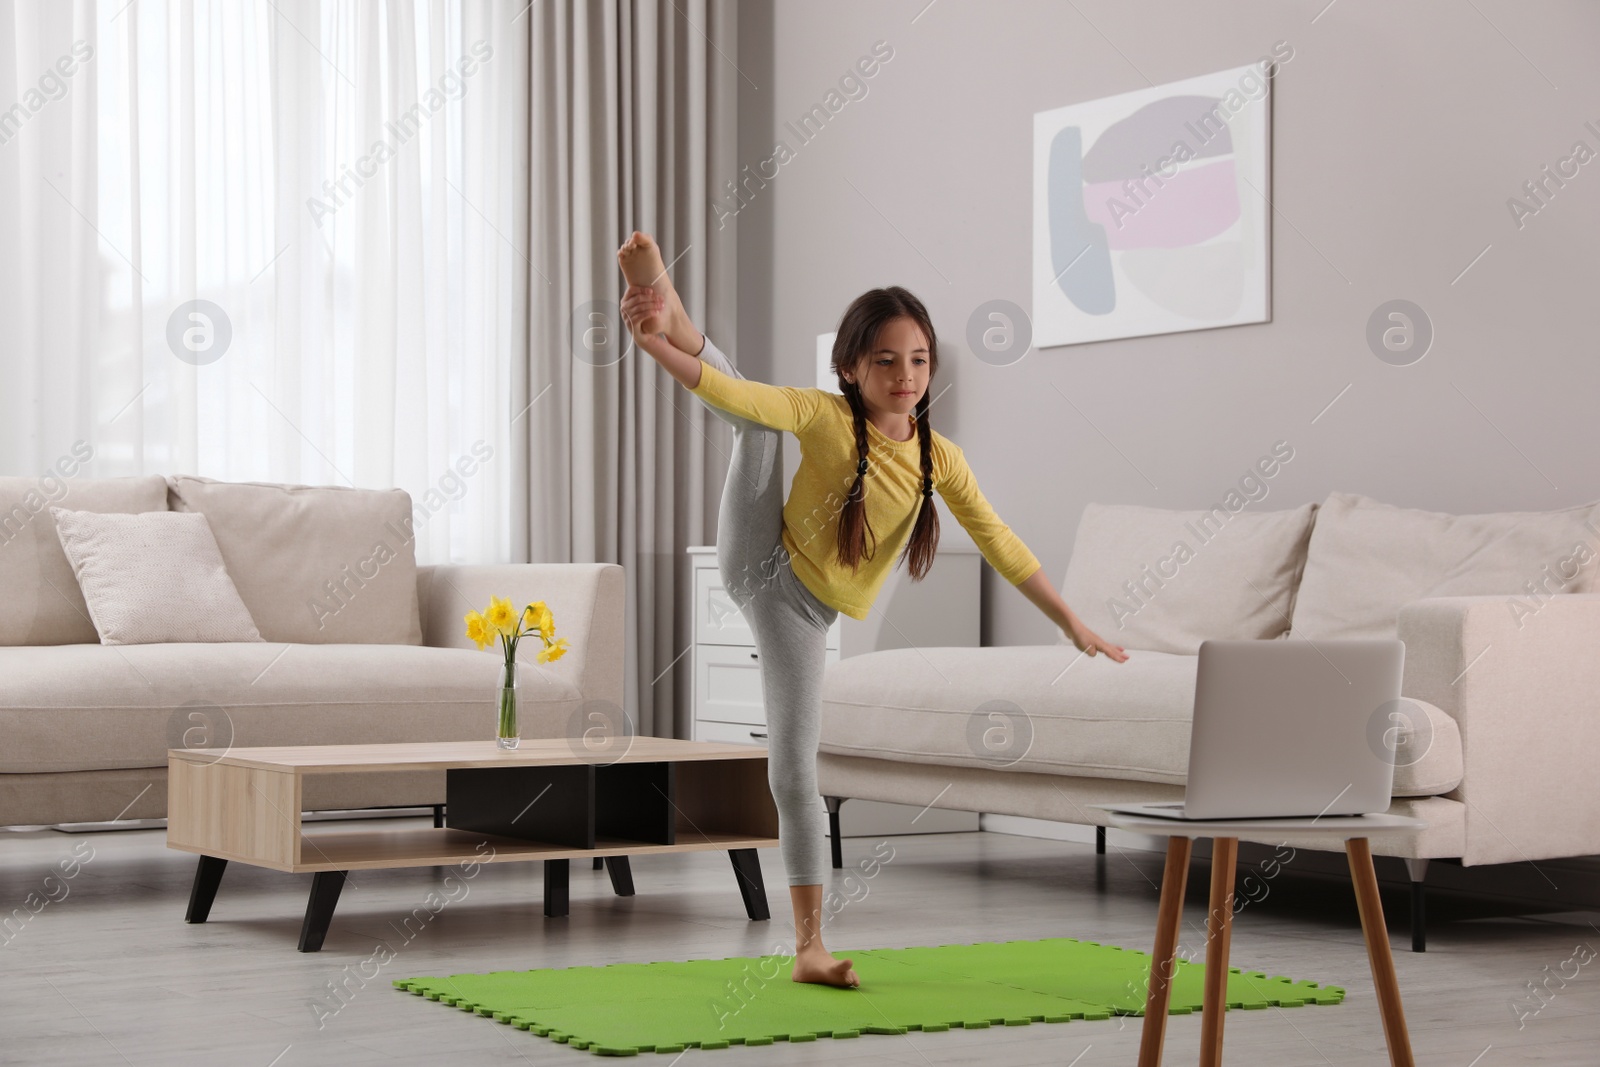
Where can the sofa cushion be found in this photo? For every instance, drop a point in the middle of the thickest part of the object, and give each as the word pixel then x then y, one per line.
pixel 40 602
pixel 93 707
pixel 315 564
pixel 1045 709
pixel 152 577
pixel 1368 559
pixel 1149 578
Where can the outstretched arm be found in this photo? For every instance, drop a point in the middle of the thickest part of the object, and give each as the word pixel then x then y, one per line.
pixel 1037 588
pixel 638 305
pixel 1006 552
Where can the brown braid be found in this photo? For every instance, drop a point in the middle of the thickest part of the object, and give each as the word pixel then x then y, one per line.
pixel 925 534
pixel 853 522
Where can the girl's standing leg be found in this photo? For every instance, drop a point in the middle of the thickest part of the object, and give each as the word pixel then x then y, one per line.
pixel 790 627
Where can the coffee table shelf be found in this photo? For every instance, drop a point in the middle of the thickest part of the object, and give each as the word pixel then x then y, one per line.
pixel 607 802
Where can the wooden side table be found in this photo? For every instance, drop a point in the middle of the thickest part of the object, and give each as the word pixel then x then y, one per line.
pixel 1225 835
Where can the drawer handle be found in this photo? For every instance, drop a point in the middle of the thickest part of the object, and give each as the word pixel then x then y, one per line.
pixel 752 655
pixel 754 734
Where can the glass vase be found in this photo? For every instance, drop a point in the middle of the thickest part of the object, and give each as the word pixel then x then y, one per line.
pixel 507 733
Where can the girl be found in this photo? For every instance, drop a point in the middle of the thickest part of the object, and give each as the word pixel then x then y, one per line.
pixel 791 567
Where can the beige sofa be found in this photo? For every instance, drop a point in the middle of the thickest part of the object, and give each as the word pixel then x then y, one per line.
pixel 1494 742
pixel 361 645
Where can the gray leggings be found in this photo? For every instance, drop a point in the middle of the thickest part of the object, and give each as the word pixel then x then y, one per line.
pixel 790 626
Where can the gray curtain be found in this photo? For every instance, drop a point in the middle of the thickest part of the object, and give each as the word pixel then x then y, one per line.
pixel 634 117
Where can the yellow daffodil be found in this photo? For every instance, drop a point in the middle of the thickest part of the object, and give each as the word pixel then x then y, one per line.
pixel 554 651
pixel 500 616
pixel 537 618
pixel 478 630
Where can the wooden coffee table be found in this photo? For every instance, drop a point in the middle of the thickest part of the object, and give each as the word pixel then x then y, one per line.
pixel 548 800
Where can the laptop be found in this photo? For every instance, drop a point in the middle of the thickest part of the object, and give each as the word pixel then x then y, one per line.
pixel 1290 728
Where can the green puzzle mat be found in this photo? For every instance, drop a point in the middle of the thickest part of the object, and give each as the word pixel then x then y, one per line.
pixel 626 1008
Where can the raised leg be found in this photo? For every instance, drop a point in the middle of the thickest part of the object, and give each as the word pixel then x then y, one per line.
pixel 1099 840
pixel 747 869
pixel 325 887
pixel 1219 932
pixel 1418 870
pixel 621 875
pixel 1174 879
pixel 555 888
pixel 1378 953
pixel 207 876
pixel 833 804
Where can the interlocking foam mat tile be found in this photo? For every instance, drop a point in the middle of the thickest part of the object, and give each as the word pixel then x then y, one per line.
pixel 626 1008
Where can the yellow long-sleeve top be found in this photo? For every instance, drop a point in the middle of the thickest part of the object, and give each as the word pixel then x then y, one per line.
pixel 893 490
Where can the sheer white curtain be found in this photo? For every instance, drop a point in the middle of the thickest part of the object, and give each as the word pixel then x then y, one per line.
pixel 272 240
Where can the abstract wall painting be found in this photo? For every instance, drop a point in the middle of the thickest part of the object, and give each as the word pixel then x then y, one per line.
pixel 1151 210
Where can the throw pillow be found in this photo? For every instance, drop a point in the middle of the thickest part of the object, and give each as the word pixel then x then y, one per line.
pixel 315 564
pixel 41 602
pixel 1368 559
pixel 152 578
pixel 1163 581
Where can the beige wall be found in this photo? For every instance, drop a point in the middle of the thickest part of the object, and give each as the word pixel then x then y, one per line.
pixel 1400 131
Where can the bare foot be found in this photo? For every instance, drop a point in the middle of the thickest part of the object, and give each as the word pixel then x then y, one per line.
pixel 822 968
pixel 641 263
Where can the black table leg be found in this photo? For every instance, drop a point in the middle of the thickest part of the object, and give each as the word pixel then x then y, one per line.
pixel 555 888
pixel 325 887
pixel 621 875
pixel 1419 917
pixel 599 861
pixel 747 869
pixel 832 804
pixel 438 816
pixel 207 876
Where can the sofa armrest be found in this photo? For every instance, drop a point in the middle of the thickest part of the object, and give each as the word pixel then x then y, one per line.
pixel 1523 685
pixel 586 599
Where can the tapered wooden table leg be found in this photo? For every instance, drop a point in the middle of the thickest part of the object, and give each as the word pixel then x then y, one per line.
pixel 747 869
pixel 1174 880
pixel 621 875
pixel 1378 953
pixel 207 876
pixel 325 888
pixel 1219 931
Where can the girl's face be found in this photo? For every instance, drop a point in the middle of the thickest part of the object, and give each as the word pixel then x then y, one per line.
pixel 895 374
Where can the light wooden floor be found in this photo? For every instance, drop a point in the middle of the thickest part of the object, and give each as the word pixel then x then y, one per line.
pixel 109 972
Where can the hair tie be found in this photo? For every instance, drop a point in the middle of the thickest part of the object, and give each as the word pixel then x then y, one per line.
pixel 862 469
pixel 927 486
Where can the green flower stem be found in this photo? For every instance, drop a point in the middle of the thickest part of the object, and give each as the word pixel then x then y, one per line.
pixel 508 691
pixel 508 712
